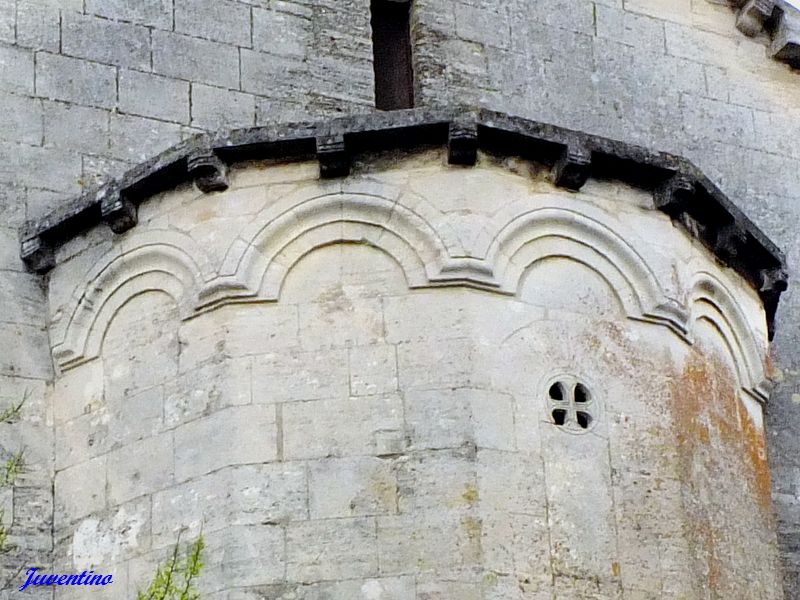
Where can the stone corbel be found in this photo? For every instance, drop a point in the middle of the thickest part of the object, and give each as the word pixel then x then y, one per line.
pixel 117 211
pixel 774 281
pixel 573 167
pixel 209 172
pixel 753 15
pixel 334 160
pixel 674 195
pixel 730 241
pixel 462 143
pixel 785 45
pixel 780 19
pixel 37 254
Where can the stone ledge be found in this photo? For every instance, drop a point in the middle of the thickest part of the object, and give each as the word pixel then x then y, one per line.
pixel 681 190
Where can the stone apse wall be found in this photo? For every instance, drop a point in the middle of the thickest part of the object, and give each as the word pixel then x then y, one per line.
pixel 350 387
pixel 92 87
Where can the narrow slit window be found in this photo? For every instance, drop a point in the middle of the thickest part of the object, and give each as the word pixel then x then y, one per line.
pixel 391 45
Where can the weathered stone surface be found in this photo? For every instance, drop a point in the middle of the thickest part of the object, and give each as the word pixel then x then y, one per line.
pixel 72 80
pixel 313 426
pixel 196 452
pixel 661 74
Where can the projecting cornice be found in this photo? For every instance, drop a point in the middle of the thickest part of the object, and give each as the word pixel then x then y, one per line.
pixel 679 188
pixel 779 19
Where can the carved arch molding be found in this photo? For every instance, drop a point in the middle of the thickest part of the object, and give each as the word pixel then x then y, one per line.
pixel 265 252
pixel 417 234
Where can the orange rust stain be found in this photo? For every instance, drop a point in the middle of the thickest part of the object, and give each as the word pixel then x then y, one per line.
pixel 716 439
pixel 756 452
pixel 206 215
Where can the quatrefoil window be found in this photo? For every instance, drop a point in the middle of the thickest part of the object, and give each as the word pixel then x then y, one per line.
pixel 571 406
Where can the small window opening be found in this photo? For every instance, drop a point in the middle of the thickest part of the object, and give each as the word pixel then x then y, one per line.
pixel 557 391
pixel 570 405
pixel 391 46
pixel 581 394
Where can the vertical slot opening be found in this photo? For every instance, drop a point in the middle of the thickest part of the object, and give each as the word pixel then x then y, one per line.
pixel 391 46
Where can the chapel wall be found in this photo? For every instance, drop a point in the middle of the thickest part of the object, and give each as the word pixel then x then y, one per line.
pixel 286 366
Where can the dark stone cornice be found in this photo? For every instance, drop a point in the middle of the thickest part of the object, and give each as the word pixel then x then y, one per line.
pixel 679 188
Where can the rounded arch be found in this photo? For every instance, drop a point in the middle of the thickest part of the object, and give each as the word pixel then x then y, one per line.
pixel 712 301
pixel 164 261
pixel 549 232
pixel 264 252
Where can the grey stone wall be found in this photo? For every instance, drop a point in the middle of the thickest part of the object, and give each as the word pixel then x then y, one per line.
pixel 361 428
pixel 90 87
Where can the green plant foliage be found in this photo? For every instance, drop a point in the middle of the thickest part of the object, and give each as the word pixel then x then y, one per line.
pixel 11 469
pixel 5 545
pixel 11 413
pixel 175 579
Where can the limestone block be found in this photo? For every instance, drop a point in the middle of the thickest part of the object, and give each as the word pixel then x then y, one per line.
pixel 493 420
pixel 340 321
pixel 342 427
pixel 140 94
pixel 136 416
pixel 299 375
pixel 570 476
pixel 82 439
pixel 439 418
pixel 431 542
pixel 510 481
pixel 450 418
pixel 18 74
pixel 195 59
pixel 134 138
pixel 227 22
pixel 141 347
pixel 74 80
pixel 104 539
pixel 241 495
pixel 24 125
pixel 430 313
pixel 207 389
pixel 33 509
pixel 351 487
pixel 204 445
pixel 237 331
pixel 341 273
pixel 518 544
pixel 7 507
pixel 281 32
pixel 232 552
pixel 331 549
pixel 437 483
pixel 31 360
pixel 87 37
pixel 383 588
pixel 154 13
pixel 470 25
pixel 80 491
pixel 214 108
pixel 78 391
pixel 431 589
pixel 452 357
pixel 140 468
pixel 373 370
